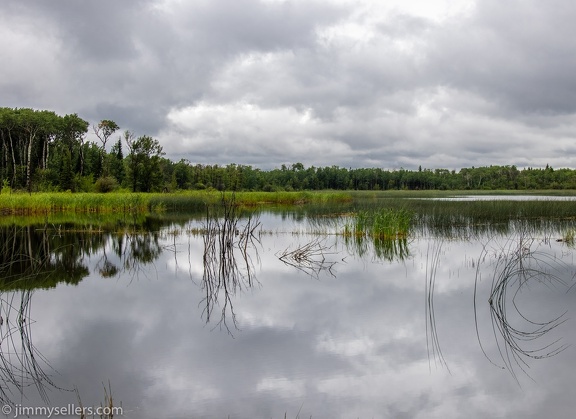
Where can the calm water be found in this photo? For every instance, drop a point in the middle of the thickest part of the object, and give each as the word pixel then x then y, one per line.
pixel 182 330
pixel 506 198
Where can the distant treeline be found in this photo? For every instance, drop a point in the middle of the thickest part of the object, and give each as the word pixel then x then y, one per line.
pixel 42 151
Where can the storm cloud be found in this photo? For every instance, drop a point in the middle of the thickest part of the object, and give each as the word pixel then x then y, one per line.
pixel 327 82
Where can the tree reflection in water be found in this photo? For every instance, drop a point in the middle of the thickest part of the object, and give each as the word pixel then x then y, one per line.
pixel 29 258
pixel 42 256
pixel 37 256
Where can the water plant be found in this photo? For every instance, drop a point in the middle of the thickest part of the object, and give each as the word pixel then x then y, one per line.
pixel 385 229
pixel 569 237
pixel 383 223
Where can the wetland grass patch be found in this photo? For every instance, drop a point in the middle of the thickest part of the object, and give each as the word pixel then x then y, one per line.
pixel 128 202
pixel 383 223
pixel 63 202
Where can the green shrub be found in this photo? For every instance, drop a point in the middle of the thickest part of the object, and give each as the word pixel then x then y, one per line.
pixel 106 184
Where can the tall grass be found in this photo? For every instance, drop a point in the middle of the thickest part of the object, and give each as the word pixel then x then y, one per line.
pixel 384 223
pixel 385 230
pixel 49 203
pixel 126 202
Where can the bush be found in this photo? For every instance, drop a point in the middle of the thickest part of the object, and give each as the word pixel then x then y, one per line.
pixel 106 184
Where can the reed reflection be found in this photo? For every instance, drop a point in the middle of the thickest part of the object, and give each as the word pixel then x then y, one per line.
pixel 521 267
pixel 226 243
pixel 22 365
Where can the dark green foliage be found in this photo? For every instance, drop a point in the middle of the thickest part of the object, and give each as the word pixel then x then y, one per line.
pixel 32 140
pixel 116 162
pixel 144 172
pixel 103 131
pixel 182 175
pixel 66 175
pixel 40 150
pixel 106 184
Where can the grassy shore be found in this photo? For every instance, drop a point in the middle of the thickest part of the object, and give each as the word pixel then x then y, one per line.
pixel 43 203
pixel 126 202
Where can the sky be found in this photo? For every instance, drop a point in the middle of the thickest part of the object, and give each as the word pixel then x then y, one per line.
pixel 353 83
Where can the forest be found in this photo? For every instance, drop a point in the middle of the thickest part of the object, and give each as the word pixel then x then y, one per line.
pixel 43 151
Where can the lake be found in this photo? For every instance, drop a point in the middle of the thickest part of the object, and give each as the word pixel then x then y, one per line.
pixel 276 313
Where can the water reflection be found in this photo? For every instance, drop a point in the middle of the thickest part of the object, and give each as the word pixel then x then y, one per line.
pixel 33 256
pixel 520 266
pixel 433 347
pixel 22 365
pixel 333 346
pixel 380 248
pixel 41 256
pixel 226 242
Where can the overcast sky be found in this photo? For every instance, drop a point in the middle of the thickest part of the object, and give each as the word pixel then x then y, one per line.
pixel 353 83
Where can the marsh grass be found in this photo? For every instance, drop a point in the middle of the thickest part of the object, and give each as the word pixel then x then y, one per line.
pixel 50 203
pixel 385 230
pixel 569 237
pixel 252 199
pixel 126 202
pixel 380 224
pixel 106 410
pixel 462 212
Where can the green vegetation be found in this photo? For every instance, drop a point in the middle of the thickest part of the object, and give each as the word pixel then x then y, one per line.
pixel 384 229
pixel 126 202
pixel 569 237
pixel 384 223
pixel 41 151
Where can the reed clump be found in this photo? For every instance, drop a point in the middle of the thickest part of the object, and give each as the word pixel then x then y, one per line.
pixel 569 237
pixel 380 224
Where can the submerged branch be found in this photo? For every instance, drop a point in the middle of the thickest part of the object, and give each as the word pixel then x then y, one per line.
pixel 309 258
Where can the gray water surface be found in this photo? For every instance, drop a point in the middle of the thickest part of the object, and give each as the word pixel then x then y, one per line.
pixel 345 334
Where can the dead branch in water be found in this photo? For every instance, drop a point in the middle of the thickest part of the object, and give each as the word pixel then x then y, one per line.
pixel 309 258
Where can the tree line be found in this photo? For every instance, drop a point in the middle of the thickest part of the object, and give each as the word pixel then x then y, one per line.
pixel 43 151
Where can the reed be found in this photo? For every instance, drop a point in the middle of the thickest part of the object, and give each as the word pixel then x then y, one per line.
pixel 50 203
pixel 122 202
pixel 569 236
pixel 384 223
